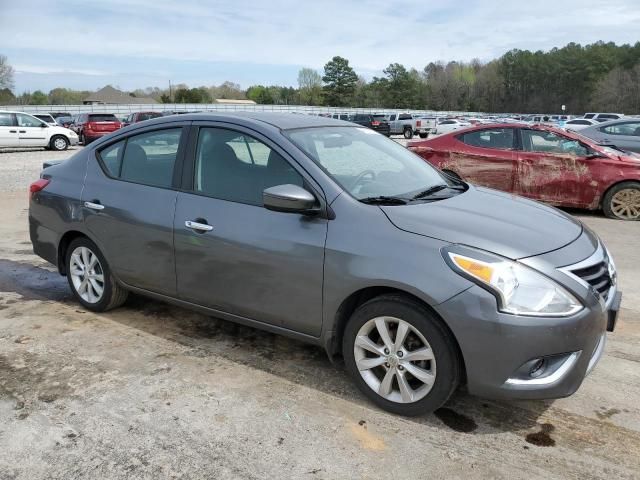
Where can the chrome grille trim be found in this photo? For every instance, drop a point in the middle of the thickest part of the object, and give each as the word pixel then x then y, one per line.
pixel 590 270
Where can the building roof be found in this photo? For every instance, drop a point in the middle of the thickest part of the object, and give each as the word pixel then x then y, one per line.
pixel 235 102
pixel 110 95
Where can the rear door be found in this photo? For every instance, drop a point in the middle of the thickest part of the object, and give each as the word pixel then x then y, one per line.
pixel 485 157
pixel 32 132
pixel 8 130
pixel 555 169
pixel 129 202
pixel 243 259
pixel 624 135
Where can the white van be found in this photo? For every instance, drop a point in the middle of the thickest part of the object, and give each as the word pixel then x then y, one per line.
pixel 19 129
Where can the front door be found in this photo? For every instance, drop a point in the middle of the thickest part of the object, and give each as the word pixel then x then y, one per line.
pixel 239 257
pixel 485 157
pixel 555 169
pixel 8 131
pixel 129 202
pixel 32 131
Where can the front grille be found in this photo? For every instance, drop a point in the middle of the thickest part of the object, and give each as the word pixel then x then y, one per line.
pixel 597 276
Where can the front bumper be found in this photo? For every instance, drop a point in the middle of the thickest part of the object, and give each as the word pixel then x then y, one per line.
pixel 73 141
pixel 498 349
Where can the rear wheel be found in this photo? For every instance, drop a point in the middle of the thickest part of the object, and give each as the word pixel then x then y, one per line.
pixel 59 143
pixel 90 278
pixel 401 355
pixel 83 140
pixel 622 201
pixel 408 133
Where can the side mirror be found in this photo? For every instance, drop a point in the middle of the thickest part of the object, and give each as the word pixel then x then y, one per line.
pixel 44 125
pixel 289 198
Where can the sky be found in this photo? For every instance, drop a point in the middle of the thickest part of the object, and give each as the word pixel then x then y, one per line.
pixel 133 44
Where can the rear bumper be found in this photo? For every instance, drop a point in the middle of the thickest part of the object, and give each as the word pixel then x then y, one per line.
pixel 92 135
pixel 500 350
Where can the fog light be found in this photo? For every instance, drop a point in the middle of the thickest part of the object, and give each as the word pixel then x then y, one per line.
pixel 537 368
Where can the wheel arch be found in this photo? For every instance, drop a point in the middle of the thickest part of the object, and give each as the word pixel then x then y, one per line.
pixel 63 245
pixel 359 297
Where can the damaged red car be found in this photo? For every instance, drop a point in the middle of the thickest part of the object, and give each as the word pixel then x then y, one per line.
pixel 542 163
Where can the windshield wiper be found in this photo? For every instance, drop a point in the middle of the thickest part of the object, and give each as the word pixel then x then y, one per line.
pixel 430 191
pixel 384 200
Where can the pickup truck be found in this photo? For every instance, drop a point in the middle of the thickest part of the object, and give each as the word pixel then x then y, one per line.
pixel 407 125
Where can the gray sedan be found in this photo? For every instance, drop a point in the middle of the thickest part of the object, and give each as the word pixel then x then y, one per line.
pixel 335 235
pixel 623 133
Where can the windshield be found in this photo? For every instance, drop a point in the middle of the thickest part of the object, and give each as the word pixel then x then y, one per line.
pixel 148 116
pixel 367 164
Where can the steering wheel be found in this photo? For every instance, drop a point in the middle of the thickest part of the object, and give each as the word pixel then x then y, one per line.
pixel 361 177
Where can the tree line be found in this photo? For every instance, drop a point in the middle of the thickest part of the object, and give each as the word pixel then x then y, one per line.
pixel 600 76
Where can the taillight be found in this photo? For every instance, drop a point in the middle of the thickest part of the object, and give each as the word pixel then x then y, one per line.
pixel 38 185
pixel 418 123
pixel 375 123
pixel 89 126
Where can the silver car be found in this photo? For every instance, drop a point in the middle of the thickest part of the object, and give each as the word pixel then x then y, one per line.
pixel 623 134
pixel 332 234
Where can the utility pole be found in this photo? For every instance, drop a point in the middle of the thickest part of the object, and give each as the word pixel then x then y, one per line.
pixel 170 94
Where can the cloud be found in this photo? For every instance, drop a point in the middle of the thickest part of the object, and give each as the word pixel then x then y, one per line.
pixel 193 39
pixel 46 70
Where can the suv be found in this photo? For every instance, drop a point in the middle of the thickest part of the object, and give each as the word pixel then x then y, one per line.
pixel 91 126
pixel 19 129
pixel 140 117
pixel 375 122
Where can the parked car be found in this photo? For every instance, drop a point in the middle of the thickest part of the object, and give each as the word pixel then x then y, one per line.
pixel 449 125
pixel 543 163
pixel 46 118
pixel 375 122
pixel 579 123
pixel 64 121
pixel 140 117
pixel 19 129
pixel 91 126
pixel 328 233
pixel 407 125
pixel 624 133
pixel 603 117
pixel 342 116
pixel 60 114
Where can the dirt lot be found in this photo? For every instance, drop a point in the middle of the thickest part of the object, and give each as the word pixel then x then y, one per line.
pixel 155 391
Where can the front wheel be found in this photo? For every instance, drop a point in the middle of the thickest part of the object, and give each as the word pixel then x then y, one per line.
pixel 90 278
pixel 622 201
pixel 400 355
pixel 408 133
pixel 59 143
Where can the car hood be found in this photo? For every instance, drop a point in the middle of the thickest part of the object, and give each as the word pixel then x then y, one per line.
pixel 498 222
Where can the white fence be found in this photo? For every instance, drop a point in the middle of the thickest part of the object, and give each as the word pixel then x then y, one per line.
pixel 123 109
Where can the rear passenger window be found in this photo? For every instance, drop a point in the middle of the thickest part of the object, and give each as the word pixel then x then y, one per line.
pixel 236 167
pixel 6 120
pixel 148 158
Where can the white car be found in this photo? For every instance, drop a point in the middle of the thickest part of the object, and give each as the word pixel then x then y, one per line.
pixel 449 125
pixel 603 117
pixel 19 129
pixel 579 123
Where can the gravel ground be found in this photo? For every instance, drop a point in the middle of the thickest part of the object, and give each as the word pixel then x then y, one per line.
pixel 154 391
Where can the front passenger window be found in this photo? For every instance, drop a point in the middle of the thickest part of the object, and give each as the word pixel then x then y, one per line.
pixel 236 167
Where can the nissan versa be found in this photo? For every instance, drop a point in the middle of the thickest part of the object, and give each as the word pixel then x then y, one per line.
pixel 331 233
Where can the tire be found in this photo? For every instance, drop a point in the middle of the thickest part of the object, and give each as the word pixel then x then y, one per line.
pixel 407 133
pixel 112 294
pixel 622 201
pixel 83 140
pixel 422 325
pixel 59 143
pixel 424 135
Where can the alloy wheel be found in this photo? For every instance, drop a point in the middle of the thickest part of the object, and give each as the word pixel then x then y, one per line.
pixel 86 274
pixel 395 359
pixel 626 204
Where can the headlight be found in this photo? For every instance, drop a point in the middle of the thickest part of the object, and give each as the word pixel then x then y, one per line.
pixel 520 290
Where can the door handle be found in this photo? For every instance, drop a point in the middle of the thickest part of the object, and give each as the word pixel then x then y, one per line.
pixel 23 131
pixel 199 227
pixel 94 206
pixel 13 131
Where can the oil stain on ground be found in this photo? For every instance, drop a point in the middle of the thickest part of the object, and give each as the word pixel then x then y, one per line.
pixel 456 421
pixel 543 437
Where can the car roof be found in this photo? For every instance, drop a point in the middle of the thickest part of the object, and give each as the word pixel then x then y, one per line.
pixel 283 121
